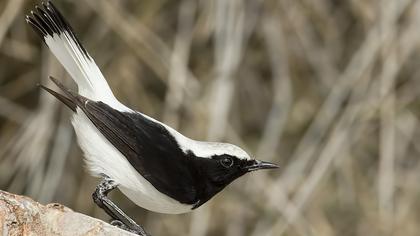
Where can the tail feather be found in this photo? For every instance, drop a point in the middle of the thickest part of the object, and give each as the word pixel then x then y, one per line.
pixel 58 35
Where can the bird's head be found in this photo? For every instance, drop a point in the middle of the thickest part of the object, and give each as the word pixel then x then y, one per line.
pixel 222 163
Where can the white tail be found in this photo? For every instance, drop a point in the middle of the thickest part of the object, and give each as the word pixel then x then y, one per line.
pixel 63 43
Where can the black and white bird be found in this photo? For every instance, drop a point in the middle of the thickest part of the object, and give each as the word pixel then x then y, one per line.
pixel 155 166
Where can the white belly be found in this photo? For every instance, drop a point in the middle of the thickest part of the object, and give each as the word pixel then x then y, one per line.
pixel 103 158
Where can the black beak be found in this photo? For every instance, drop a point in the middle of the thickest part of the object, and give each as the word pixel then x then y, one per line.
pixel 260 165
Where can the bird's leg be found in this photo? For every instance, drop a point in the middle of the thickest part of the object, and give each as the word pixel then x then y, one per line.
pixel 120 219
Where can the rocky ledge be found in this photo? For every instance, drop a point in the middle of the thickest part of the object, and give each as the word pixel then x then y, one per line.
pixel 20 215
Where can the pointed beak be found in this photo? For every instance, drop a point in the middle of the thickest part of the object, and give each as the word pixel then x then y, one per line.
pixel 260 165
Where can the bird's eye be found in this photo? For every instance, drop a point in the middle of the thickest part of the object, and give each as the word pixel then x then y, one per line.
pixel 226 162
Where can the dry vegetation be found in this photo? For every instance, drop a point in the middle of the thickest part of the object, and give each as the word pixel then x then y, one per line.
pixel 328 89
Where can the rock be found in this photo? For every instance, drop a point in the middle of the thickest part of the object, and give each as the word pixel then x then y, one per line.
pixel 20 215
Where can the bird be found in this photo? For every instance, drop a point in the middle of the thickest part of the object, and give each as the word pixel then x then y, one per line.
pixel 154 165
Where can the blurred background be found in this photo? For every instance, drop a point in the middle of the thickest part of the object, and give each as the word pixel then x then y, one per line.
pixel 327 89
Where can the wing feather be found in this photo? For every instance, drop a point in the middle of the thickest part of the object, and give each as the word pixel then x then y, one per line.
pixel 147 145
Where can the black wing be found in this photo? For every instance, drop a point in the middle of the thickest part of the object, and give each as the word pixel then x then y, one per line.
pixel 147 145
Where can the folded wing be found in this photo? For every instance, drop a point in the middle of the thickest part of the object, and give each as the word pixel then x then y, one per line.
pixel 147 145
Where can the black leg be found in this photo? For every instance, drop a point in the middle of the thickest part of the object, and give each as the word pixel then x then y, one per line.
pixel 120 219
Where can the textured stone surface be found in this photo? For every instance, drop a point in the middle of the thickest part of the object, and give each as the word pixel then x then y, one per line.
pixel 20 215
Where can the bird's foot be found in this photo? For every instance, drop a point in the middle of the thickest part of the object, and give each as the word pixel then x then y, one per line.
pixel 136 229
pixel 121 219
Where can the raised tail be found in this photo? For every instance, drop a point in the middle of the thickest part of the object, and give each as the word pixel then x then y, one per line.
pixel 58 35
